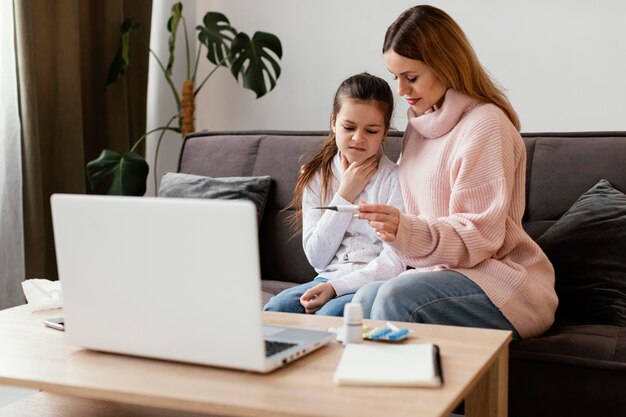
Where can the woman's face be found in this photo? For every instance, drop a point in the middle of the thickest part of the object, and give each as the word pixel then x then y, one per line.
pixel 359 129
pixel 417 82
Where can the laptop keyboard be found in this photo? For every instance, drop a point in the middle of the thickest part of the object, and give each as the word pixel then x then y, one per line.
pixel 273 347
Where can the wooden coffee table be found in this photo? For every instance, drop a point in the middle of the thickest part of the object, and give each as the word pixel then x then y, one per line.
pixel 88 383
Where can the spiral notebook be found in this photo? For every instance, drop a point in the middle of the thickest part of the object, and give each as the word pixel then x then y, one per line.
pixel 370 364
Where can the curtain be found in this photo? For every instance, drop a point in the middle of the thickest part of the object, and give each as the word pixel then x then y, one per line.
pixel 11 237
pixel 64 49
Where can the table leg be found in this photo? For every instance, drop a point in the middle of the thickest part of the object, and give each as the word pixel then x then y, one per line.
pixel 489 398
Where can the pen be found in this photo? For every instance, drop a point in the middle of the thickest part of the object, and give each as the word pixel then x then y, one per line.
pixel 342 209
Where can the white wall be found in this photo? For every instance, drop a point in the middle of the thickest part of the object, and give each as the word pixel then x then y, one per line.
pixel 161 103
pixel 562 62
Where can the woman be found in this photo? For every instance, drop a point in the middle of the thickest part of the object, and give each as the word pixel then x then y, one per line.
pixel 462 176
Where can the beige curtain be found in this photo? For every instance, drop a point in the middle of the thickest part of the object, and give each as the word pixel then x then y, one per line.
pixel 64 48
pixel 11 222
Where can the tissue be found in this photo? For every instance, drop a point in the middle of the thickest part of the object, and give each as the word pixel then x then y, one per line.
pixel 42 294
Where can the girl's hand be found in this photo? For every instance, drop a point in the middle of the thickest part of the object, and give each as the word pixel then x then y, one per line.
pixel 356 176
pixel 314 298
pixel 383 218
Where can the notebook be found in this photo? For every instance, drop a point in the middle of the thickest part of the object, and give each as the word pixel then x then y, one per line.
pixel 412 365
pixel 168 278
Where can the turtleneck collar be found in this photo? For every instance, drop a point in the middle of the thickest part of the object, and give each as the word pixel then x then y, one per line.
pixel 434 124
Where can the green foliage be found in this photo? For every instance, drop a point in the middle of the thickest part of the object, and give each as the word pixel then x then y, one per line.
pixel 250 57
pixel 216 35
pixel 121 60
pixel 253 60
pixel 127 172
pixel 172 27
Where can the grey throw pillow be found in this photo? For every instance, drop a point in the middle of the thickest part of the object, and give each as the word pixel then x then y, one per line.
pixel 587 247
pixel 255 189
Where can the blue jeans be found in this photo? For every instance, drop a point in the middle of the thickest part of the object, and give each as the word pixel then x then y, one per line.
pixel 441 297
pixel 288 301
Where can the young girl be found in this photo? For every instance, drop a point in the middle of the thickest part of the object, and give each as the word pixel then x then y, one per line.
pixel 350 167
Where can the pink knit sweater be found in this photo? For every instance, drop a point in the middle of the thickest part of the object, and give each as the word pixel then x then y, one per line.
pixel 462 173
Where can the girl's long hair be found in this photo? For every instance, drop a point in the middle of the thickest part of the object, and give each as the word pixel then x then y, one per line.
pixel 428 34
pixel 362 87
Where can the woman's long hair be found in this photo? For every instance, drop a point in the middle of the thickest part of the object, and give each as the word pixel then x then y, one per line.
pixel 362 87
pixel 428 34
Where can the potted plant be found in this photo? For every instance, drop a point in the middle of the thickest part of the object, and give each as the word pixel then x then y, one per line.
pixel 254 60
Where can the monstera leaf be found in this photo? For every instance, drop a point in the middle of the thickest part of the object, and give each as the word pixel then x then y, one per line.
pixel 172 27
pixel 128 172
pixel 250 59
pixel 121 61
pixel 216 35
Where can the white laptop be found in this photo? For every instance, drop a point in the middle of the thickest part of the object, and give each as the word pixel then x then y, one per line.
pixel 169 278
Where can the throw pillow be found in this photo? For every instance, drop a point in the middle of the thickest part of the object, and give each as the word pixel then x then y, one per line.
pixel 587 247
pixel 255 189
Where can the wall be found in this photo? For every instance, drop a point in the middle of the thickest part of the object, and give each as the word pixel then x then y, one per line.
pixel 162 156
pixel 561 62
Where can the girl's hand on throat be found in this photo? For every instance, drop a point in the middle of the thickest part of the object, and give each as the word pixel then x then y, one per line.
pixel 355 177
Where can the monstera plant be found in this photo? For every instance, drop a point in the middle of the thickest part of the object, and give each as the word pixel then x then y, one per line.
pixel 253 60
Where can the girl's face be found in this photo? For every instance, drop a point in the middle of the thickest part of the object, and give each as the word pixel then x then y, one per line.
pixel 417 82
pixel 359 129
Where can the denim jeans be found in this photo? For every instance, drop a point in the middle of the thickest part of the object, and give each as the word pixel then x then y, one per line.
pixel 441 297
pixel 288 301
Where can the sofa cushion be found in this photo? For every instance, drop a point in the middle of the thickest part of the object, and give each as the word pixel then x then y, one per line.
pixel 278 154
pixel 583 345
pixel 564 167
pixel 587 246
pixel 255 189
pixel 576 371
pixel 270 288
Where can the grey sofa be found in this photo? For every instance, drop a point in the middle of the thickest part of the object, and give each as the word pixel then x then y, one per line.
pixel 575 369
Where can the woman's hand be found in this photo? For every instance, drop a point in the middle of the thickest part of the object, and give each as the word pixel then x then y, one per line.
pixel 315 298
pixel 356 176
pixel 383 218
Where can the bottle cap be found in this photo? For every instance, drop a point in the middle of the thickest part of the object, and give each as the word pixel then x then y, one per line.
pixel 353 313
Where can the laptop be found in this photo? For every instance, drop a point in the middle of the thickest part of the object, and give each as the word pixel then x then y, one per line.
pixel 169 278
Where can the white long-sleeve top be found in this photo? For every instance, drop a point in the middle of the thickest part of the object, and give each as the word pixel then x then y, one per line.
pixel 341 248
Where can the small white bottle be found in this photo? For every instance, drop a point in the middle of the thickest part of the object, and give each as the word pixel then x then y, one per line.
pixel 352 323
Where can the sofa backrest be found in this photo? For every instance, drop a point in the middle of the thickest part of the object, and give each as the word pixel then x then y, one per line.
pixel 560 167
